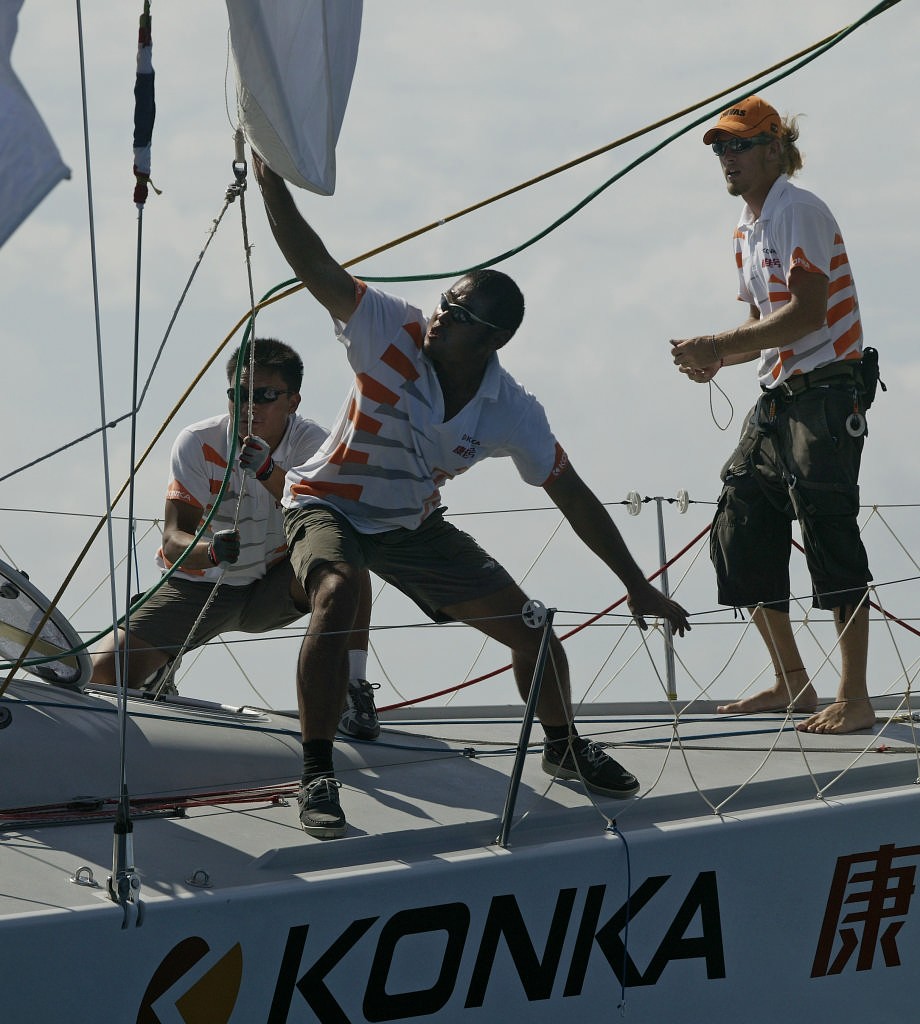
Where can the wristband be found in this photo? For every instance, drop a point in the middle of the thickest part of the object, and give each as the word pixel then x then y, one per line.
pixel 267 472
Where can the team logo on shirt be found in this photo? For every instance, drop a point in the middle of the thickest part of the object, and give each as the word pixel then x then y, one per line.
pixel 469 449
pixel 770 258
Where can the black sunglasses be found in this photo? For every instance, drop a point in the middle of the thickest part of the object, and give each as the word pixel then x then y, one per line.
pixel 461 315
pixel 723 146
pixel 260 396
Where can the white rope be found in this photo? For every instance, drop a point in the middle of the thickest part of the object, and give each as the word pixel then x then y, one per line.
pixel 239 191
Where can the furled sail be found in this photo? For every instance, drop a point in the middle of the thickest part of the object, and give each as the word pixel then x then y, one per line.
pixel 30 165
pixel 295 60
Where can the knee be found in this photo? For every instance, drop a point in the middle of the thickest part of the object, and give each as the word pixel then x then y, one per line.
pixel 334 592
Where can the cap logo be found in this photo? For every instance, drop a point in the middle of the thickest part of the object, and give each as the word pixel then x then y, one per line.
pixel 735 112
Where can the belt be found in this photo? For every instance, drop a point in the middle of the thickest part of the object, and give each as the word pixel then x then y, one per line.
pixel 803 381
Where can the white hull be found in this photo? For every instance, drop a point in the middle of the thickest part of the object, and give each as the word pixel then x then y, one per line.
pixel 417 914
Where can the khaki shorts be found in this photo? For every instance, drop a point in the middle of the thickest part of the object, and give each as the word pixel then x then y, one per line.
pixel 165 620
pixel 436 565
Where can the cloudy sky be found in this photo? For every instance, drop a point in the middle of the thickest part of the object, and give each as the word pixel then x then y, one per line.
pixel 452 104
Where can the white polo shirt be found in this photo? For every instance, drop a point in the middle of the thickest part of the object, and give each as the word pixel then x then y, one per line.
pixel 197 467
pixel 796 229
pixel 390 450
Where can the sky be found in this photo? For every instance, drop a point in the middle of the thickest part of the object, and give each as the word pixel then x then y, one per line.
pixel 451 105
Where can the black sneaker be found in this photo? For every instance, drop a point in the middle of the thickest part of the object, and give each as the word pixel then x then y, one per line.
pixel 578 759
pixel 359 719
pixel 320 813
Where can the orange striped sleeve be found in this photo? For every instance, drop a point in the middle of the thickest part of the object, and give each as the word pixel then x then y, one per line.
pixel 176 492
pixel 560 465
pixel 800 260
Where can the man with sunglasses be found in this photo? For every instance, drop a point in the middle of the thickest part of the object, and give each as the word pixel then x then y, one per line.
pixel 430 399
pixel 800 448
pixel 244 548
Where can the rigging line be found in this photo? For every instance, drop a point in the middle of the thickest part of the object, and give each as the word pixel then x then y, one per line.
pixel 122 666
pixel 563 637
pixel 124 883
pixel 897 539
pixel 64 447
pixel 872 604
pixel 212 231
pixel 480 512
pixel 811 55
pixel 54 601
pixel 111 424
pixel 94 270
pixel 521 583
pixel 239 190
pixel 292 285
pixel 594 153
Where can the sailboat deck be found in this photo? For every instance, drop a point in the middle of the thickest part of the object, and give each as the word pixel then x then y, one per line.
pixel 435 786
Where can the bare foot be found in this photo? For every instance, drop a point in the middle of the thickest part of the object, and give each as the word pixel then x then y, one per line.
pixel 774 699
pixel 840 717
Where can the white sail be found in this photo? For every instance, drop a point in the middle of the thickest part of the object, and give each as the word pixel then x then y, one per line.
pixel 30 165
pixel 295 60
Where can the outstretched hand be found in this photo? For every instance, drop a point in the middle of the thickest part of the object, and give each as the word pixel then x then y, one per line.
pixel 648 600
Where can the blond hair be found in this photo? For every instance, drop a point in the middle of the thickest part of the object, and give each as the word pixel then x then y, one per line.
pixel 789 155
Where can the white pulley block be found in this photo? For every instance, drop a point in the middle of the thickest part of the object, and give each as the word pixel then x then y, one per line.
pixel 534 614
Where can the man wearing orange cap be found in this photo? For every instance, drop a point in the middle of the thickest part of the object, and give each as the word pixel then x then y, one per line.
pixel 799 453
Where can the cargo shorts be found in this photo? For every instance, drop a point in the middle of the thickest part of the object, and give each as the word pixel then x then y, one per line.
pixel 795 461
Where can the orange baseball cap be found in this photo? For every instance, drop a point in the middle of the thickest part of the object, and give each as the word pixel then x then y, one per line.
pixel 746 119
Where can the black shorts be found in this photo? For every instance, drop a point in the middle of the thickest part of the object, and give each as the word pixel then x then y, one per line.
pixel 436 565
pixel 795 460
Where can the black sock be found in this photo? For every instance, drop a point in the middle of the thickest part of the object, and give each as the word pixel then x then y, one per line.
pixel 317 759
pixel 559 734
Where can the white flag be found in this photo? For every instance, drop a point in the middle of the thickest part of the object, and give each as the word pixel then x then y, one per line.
pixel 30 165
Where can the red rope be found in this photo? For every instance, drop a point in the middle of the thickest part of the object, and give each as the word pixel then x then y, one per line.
pixel 590 621
pixel 565 636
pixel 105 809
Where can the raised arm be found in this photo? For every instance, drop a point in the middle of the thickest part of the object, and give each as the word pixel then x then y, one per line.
pixel 330 283
pixel 591 521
